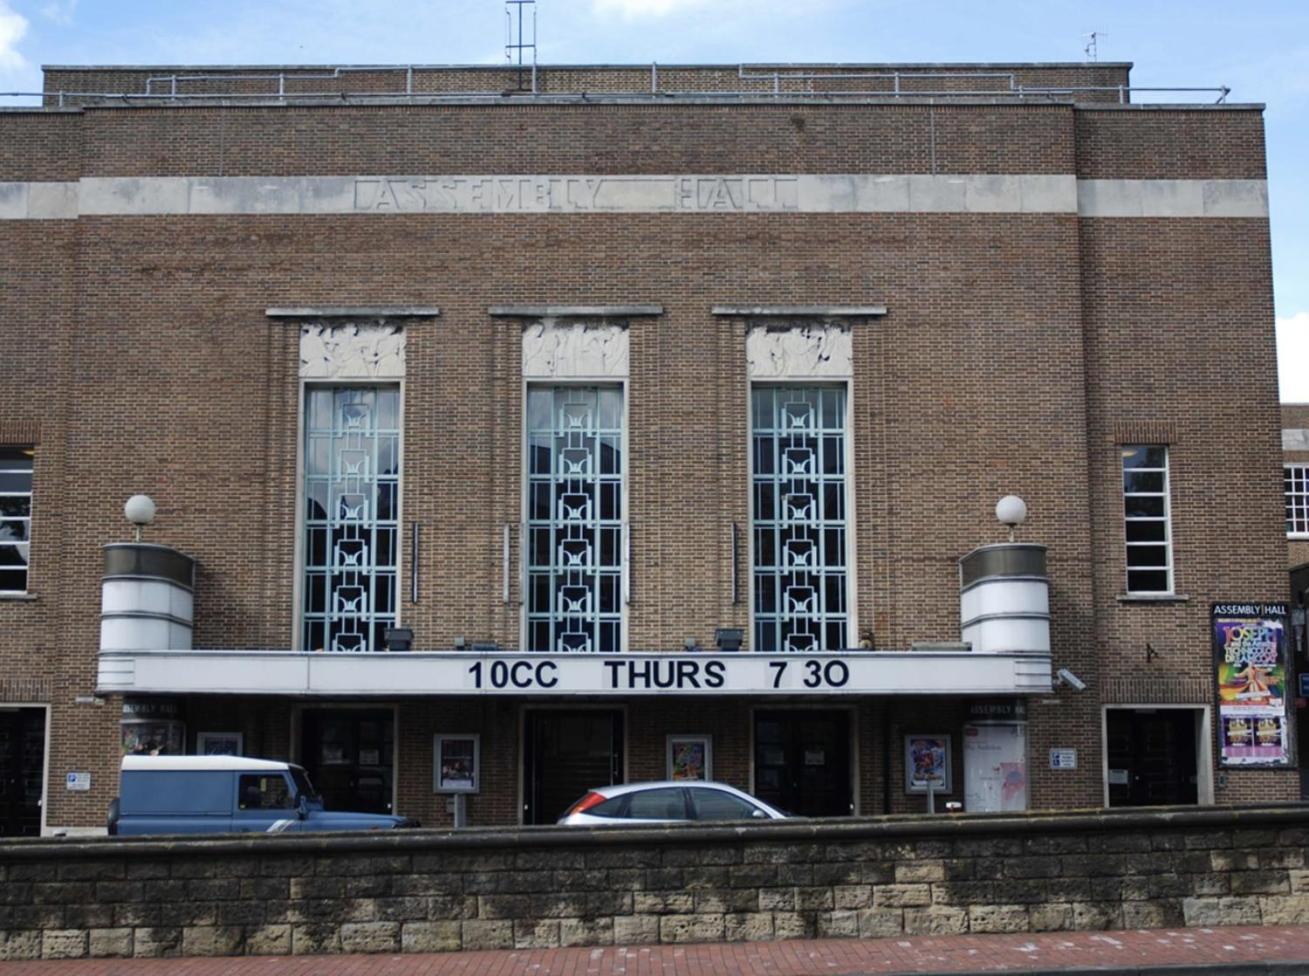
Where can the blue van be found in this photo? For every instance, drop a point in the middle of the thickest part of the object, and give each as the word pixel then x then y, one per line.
pixel 221 794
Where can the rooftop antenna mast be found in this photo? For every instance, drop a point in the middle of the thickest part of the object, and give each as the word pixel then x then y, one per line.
pixel 1090 50
pixel 516 41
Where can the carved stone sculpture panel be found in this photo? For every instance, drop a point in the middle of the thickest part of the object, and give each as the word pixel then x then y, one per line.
pixel 558 350
pixel 799 351
pixel 360 350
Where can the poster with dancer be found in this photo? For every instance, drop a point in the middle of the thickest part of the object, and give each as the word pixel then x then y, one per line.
pixel 1250 667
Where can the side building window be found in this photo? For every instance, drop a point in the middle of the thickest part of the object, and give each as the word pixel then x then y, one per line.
pixel 1297 499
pixel 1147 513
pixel 574 547
pixel 351 527
pixel 800 573
pixel 15 517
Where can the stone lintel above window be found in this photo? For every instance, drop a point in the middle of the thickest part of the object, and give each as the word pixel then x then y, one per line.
pixel 800 311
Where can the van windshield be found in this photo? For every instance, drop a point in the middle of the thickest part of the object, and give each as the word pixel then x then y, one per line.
pixel 304 788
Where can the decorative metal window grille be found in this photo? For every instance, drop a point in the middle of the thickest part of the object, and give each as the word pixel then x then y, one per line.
pixel 799 519
pixel 1146 511
pixel 352 484
pixel 15 517
pixel 1297 499
pixel 575 531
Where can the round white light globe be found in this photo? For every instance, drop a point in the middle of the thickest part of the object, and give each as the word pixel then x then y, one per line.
pixel 1011 510
pixel 139 510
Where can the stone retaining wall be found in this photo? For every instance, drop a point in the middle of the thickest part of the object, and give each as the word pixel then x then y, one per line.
pixel 421 891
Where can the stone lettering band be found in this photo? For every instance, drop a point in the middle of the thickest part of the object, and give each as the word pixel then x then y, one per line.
pixel 970 194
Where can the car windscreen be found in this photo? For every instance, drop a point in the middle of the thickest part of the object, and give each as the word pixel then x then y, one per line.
pixel 303 787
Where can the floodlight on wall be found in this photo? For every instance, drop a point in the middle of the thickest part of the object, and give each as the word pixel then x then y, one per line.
pixel 140 511
pixel 1012 512
pixel 398 638
pixel 729 638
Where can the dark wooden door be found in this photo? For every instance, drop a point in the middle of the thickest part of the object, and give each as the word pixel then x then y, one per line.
pixel 348 754
pixel 1152 756
pixel 22 765
pixel 802 762
pixel 565 754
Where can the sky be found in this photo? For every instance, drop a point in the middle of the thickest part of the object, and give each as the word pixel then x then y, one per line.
pixel 1259 48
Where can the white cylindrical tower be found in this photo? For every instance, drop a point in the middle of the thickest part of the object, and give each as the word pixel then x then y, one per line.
pixel 1004 599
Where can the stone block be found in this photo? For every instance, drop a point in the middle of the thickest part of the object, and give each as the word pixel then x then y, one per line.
pixel 111 870
pixel 137 870
pixel 662 902
pixel 1281 857
pixel 412 908
pixel 1047 844
pixel 794 925
pixel 185 912
pixel 613 857
pixel 451 907
pixel 430 937
pixel 1260 882
pixel 67 892
pixel 212 940
pixel 370 937
pixel 833 873
pixel 748 927
pixel 1157 914
pixel 1284 910
pixel 783 853
pixel 43 917
pixel 597 904
pixel 1234 860
pixel 936 920
pixel 269 940
pixel 1032 867
pixel 777 899
pixel 427 884
pixel 89 917
pixel 961 869
pixel 662 879
pixel 636 930
pixel 852 896
pixel 722 900
pixel 106 943
pixel 480 933
pixel 263 889
pixel 795 874
pixel 548 860
pixel 1093 916
pixel 902 896
pixel 539 934
pixel 63 944
pixel 998 918
pixel 564 880
pixel 368 887
pixel 963 893
pixel 1258 838
pixel 751 875
pixel 909 872
pixel 1207 840
pixel 1117 842
pixel 880 923
pixel 1169 885
pixel 711 876
pixel 329 887
pixel 1211 884
pixel 515 906
pixel 246 913
pixel 20 945
pixel 1299 881
pixel 1052 917
pixel 1024 892
pixel 136 916
pixel 314 939
pixel 587 931
pixel 838 925
pixel 286 867
pixel 813 898
pixel 556 906
pixel 156 942
pixel 691 928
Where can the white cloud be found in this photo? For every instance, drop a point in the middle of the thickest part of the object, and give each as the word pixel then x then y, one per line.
pixel 59 11
pixel 12 28
pixel 1293 357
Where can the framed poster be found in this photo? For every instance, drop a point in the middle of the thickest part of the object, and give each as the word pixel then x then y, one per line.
pixel 926 760
pixel 456 763
pixel 690 757
pixel 218 743
pixel 1250 671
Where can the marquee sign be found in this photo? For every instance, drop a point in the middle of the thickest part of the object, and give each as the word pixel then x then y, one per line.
pixel 593 675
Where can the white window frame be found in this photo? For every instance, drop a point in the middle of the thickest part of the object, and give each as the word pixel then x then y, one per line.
pixel 30 451
pixel 1167 520
pixel 1296 492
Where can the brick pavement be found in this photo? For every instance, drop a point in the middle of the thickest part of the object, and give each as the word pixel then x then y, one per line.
pixel 1237 949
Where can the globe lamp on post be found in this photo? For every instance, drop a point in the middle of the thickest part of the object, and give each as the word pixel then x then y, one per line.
pixel 1012 512
pixel 140 511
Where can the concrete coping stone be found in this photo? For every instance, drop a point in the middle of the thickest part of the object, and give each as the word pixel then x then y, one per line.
pixel 800 311
pixel 1290 815
pixel 353 311
pixel 574 311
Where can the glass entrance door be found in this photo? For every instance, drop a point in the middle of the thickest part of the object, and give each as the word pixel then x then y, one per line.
pixel 22 764
pixel 565 754
pixel 1152 756
pixel 802 762
pixel 349 753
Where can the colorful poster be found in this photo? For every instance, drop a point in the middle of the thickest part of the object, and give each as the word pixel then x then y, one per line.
pixel 927 760
pixel 688 758
pixel 1250 668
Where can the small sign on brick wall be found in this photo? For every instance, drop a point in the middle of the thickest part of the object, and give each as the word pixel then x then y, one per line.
pixel 78 782
pixel 1063 758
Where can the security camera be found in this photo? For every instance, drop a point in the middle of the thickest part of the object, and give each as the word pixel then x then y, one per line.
pixel 1065 677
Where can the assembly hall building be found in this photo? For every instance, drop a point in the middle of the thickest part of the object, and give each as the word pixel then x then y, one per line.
pixel 873 438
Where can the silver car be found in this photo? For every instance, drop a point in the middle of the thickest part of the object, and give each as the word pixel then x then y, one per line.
pixel 666 802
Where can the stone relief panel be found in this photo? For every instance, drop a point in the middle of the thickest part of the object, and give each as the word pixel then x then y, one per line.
pixel 352 350
pixel 558 350
pixel 799 351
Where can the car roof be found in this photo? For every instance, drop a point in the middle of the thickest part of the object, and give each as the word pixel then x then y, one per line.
pixel 196 763
pixel 618 789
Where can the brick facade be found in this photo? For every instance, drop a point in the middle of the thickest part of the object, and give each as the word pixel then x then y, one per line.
pixel 1018 353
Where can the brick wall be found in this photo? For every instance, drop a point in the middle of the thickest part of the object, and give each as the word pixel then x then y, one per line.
pixel 415 891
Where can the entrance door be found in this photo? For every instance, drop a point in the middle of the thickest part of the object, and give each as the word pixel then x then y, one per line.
pixel 348 753
pixel 1152 756
pixel 802 762
pixel 564 755
pixel 22 766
